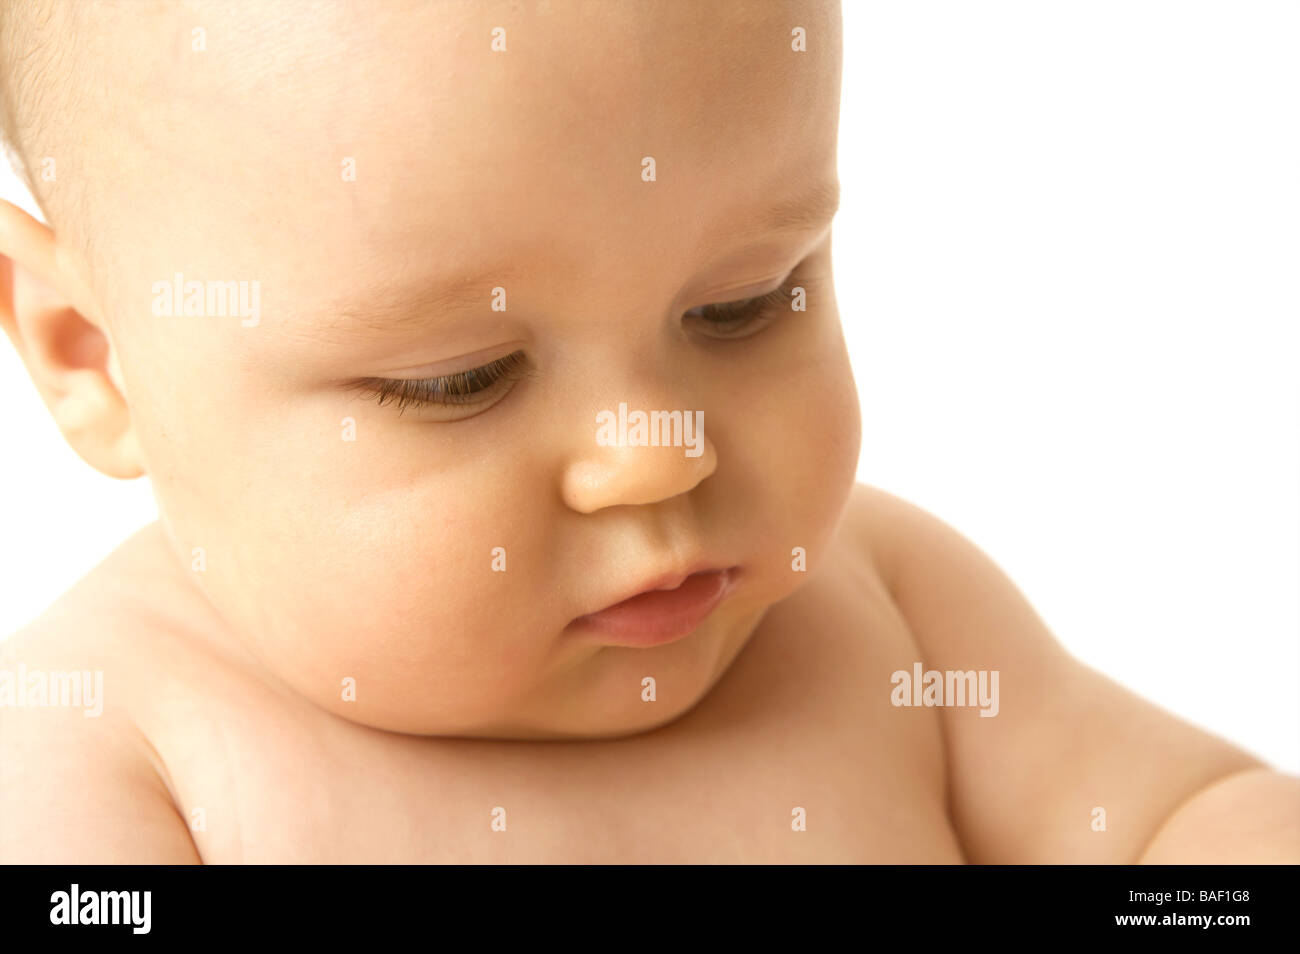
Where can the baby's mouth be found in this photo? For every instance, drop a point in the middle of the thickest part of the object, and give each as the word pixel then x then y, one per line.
pixel 659 615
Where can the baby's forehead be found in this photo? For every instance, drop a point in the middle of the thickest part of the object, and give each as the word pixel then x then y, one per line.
pixel 379 135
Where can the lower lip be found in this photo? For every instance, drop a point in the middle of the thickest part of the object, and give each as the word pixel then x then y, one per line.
pixel 659 616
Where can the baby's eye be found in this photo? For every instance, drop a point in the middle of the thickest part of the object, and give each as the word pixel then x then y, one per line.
pixel 740 319
pixel 456 396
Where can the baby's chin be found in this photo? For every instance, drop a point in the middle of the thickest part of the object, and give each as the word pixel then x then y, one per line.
pixel 597 693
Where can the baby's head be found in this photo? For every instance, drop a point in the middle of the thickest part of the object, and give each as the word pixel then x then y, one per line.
pixel 433 242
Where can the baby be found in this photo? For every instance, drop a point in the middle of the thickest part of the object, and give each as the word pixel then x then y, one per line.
pixel 485 362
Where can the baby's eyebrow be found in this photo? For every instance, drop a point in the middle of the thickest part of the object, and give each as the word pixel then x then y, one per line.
pixel 394 308
pixel 811 210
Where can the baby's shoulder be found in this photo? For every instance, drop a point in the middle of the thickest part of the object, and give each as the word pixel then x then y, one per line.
pixel 85 637
pixel 875 522
pixel 1015 773
pixel 79 780
pixel 123 624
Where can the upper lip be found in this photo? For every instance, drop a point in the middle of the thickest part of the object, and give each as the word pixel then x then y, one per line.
pixel 668 580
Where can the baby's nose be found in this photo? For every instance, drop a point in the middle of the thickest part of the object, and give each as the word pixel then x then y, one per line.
pixel 628 464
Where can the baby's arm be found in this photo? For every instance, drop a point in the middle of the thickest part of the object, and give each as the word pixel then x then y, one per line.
pixel 1025 785
pixel 1249 817
pixel 78 790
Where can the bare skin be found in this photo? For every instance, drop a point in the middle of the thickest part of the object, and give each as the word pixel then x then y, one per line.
pixel 800 719
pixel 197 758
pixel 225 736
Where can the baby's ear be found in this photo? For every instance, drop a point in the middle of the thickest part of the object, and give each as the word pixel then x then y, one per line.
pixel 43 308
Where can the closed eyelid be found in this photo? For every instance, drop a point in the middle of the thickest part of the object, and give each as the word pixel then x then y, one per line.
pixel 750 290
pixel 472 361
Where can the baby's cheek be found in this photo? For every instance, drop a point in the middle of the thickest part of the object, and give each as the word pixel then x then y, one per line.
pixel 810 430
pixel 837 445
pixel 382 577
pixel 405 594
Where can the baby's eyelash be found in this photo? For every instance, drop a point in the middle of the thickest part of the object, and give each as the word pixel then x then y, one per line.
pixel 451 390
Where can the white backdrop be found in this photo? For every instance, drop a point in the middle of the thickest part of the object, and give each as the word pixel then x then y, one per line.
pixel 1068 264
